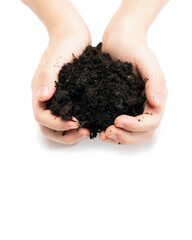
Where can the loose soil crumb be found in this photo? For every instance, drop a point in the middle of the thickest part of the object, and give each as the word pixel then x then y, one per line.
pixel 96 89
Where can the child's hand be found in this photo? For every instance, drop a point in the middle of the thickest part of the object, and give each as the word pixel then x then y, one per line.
pixel 133 48
pixel 68 35
pixel 58 52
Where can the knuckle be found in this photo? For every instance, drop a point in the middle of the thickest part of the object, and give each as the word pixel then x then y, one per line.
pixel 43 74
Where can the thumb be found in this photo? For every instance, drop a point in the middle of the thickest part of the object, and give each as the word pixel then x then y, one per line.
pixel 154 79
pixel 154 88
pixel 45 86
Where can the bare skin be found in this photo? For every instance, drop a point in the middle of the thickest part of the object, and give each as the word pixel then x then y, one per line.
pixel 125 39
pixel 69 34
pixel 65 39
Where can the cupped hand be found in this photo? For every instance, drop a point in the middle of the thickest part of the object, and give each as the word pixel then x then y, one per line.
pixel 58 52
pixel 133 48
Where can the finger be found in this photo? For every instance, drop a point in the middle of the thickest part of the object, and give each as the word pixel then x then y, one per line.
pixel 70 137
pixel 44 85
pixel 155 85
pixel 126 138
pixel 102 136
pixel 148 121
pixel 47 119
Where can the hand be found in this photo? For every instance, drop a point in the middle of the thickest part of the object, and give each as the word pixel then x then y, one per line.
pixel 59 51
pixel 132 47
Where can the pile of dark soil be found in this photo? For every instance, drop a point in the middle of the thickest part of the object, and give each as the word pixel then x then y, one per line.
pixel 96 89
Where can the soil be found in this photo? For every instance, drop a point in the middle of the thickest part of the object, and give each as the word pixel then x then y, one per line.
pixel 96 89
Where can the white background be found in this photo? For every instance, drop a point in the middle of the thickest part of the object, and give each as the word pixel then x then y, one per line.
pixel 94 190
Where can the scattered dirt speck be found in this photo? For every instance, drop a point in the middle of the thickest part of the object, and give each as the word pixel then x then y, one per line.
pixel 96 89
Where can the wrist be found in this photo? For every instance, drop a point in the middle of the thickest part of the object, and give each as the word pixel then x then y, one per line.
pixel 127 22
pixel 59 16
pixel 58 32
pixel 67 21
pixel 127 27
pixel 141 12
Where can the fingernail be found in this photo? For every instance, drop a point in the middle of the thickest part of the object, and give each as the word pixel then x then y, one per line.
pixel 158 99
pixel 75 122
pixel 119 125
pixel 42 91
pixel 74 126
pixel 75 119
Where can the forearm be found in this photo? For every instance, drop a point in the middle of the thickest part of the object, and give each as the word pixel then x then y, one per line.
pixel 137 15
pixel 143 11
pixel 56 14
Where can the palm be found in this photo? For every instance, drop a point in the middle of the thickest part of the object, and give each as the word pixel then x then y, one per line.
pixel 136 51
pixel 58 53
